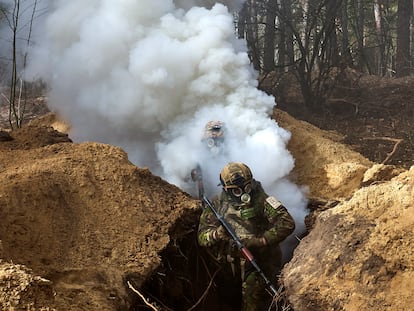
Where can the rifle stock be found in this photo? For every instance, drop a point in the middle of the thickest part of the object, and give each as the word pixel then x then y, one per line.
pixel 244 251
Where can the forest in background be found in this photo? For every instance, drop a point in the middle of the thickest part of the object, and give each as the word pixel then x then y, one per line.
pixel 312 40
pixel 316 40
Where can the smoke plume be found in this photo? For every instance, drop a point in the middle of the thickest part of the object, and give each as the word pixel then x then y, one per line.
pixel 148 75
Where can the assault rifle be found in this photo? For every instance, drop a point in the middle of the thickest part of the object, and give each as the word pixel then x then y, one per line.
pixel 197 176
pixel 244 251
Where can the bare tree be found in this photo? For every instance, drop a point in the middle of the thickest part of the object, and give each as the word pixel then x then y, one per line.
pixel 357 9
pixel 242 18
pixel 347 59
pixel 332 50
pixel 402 66
pixel 17 87
pixel 269 36
pixel 252 35
pixel 378 14
pixel 285 42
pixel 315 42
pixel 316 39
pixel 13 21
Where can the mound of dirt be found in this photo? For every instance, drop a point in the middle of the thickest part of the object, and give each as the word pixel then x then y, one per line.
pixel 82 217
pixel 374 115
pixel 359 253
pixel 79 221
pixel 329 168
pixel 21 290
pixel 359 256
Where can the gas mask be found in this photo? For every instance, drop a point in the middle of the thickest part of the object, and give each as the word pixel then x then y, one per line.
pixel 237 180
pixel 242 194
pixel 214 145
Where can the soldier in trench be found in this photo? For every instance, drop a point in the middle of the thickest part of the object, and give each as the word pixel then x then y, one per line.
pixel 260 221
pixel 213 140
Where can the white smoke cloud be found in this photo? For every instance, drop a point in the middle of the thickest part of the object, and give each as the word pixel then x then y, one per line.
pixel 233 5
pixel 148 75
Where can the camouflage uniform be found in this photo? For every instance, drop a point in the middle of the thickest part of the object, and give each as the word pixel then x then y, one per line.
pixel 263 217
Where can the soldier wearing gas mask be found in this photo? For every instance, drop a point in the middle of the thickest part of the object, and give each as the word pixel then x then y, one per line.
pixel 213 136
pixel 260 221
pixel 213 141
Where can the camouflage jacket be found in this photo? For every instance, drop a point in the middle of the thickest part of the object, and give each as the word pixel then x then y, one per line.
pixel 259 218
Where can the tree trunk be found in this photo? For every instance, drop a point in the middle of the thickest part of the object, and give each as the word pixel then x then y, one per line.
pixel 402 66
pixel 345 48
pixel 332 46
pixel 380 54
pixel 290 52
pixel 252 35
pixel 269 37
pixel 241 21
pixel 358 6
pixel 281 43
pixel 305 10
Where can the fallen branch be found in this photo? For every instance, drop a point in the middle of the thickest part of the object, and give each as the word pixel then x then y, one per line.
pixel 279 300
pixel 142 297
pixel 343 101
pixel 206 291
pixel 389 156
pixel 397 141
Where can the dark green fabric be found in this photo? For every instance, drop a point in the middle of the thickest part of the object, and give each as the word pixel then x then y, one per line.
pixel 247 213
pixel 253 293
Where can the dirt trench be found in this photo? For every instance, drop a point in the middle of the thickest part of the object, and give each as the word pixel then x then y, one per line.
pixel 85 228
pixel 82 228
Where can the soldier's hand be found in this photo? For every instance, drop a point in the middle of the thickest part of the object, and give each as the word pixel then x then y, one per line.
pixel 255 242
pixel 220 234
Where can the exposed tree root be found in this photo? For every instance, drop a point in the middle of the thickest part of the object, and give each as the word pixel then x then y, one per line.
pixel 205 292
pixel 142 296
pixel 397 141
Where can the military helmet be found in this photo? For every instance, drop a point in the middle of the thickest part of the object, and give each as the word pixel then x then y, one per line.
pixel 235 175
pixel 213 135
pixel 214 129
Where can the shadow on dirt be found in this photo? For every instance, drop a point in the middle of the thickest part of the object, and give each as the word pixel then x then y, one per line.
pixel 188 279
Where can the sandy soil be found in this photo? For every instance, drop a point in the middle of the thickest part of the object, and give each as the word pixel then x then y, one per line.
pixel 82 227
